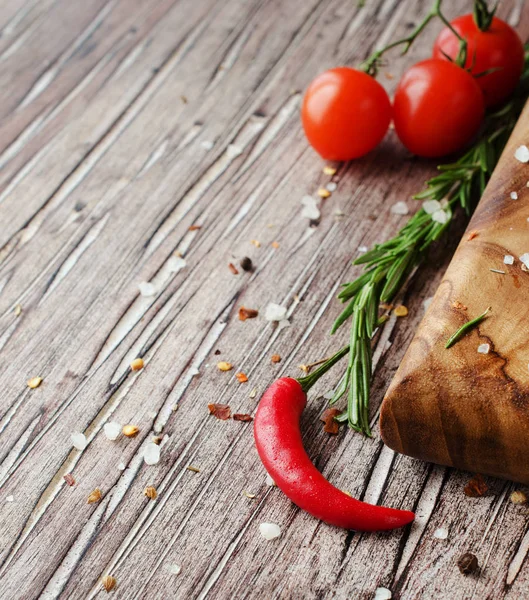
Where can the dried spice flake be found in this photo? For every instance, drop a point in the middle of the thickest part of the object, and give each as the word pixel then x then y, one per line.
pixel 247 313
pixel 34 382
pixel 472 235
pixel 241 377
pixel 233 268
pixel 329 170
pixel 193 469
pixel 256 243
pixel 195 227
pixel 130 431
pixel 69 478
pixel 18 310
pixel 275 358
pixel 150 492
pixel 224 366
pixel 242 417
pixel 468 563
pixel 108 582
pixel 248 495
pixel 400 311
pixel 246 263
pixel 459 305
pixel 253 393
pixel 476 487
pixel 275 245
pixel 518 497
pixel 137 364
pixel 331 424
pixel 323 193
pixel 220 411
pixel 94 496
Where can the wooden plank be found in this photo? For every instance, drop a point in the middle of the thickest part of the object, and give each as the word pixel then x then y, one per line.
pixel 97 198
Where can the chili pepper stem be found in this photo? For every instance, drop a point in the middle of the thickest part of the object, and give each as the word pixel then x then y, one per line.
pixel 308 381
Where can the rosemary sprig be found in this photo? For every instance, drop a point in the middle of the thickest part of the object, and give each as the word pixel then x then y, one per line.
pixel 387 266
pixel 465 328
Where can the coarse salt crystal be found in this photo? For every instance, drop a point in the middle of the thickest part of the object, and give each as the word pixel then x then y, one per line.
pixel 426 303
pixel 441 533
pixel 269 481
pixel 175 263
pixel 440 216
pixel 269 531
pixel 112 430
pixel 508 259
pixel 484 348
pixel 331 186
pixel 207 144
pixel 9 499
pixel 400 208
pixel 514 196
pixel 382 593
pixel 311 208
pixel 283 324
pixel 275 312
pixel 362 249
pixel 431 206
pixel 525 259
pixel 232 151
pixel 151 454
pixel 328 395
pixel 121 466
pixel 522 154
pixel 173 569
pixel 147 289
pixel 194 371
pixel 79 440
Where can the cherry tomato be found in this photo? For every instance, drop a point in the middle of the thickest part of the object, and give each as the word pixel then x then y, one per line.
pixel 438 108
pixel 498 48
pixel 345 114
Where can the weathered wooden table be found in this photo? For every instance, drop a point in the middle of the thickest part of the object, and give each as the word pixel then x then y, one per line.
pixel 136 132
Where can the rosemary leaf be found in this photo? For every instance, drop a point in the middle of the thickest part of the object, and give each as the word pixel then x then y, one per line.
pixel 466 328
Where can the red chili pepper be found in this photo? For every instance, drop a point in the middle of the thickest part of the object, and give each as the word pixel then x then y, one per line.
pixel 279 443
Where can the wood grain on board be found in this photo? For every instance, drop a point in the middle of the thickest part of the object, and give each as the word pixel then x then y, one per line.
pixel 467 406
pixel 123 125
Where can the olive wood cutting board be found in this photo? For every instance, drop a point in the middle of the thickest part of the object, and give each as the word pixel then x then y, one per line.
pixel 457 406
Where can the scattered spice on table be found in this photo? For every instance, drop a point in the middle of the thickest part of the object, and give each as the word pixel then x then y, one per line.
pixel 468 563
pixel 518 497
pixel 69 478
pixel 253 393
pixel 220 411
pixel 256 243
pixel 150 492
pixel 269 531
pixel 156 439
pixel 130 430
pixel 247 313
pixel 459 305
pixel 248 495
pixel 18 310
pixel 331 424
pixel 112 430
pixel 246 263
pixel 108 582
pixel 137 364
pixel 275 358
pixel 193 469
pixel 233 268
pixel 329 170
pixel 400 311
pixel 151 454
pixel 94 496
pixel 242 417
pixel 241 377
pixel 195 227
pixel 275 245
pixel 224 366
pixel 440 533
pixel 324 193
pixel 34 382
pixel 79 440
pixel 476 487
pixel 472 235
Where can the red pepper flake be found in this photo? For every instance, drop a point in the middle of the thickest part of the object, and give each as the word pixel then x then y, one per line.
pixel 476 487
pixel 241 377
pixel 331 424
pixel 195 227
pixel 275 358
pixel 233 268
pixel 459 305
pixel 220 411
pixel 247 313
pixel 242 417
pixel 69 479
pixel 472 235
pixel 275 245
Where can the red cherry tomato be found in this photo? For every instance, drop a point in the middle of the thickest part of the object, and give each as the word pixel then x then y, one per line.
pixel 499 48
pixel 345 114
pixel 438 108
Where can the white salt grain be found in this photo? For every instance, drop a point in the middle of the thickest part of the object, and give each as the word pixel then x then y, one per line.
pixel 173 569
pixel 331 186
pixel 269 531
pixel 283 324
pixel 508 259
pixel 147 289
pixel 112 430
pixel 514 196
pixel 484 348
pixel 328 395
pixel 440 216
pixel 522 154
pixel 79 440
pixel 175 263
pixel 426 303
pixel 232 151
pixel 441 533
pixel 525 259
pixel 151 454
pixel 121 466
pixel 207 145
pixel 382 593
pixel 400 208
pixel 9 499
pixel 194 371
pixel 275 312
pixel 269 481
pixel 362 249
pixel 431 206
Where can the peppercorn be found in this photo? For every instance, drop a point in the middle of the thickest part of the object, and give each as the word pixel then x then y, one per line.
pixel 246 263
pixel 468 563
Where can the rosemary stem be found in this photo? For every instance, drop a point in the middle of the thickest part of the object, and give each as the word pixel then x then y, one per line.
pixel 308 381
pixel 466 328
